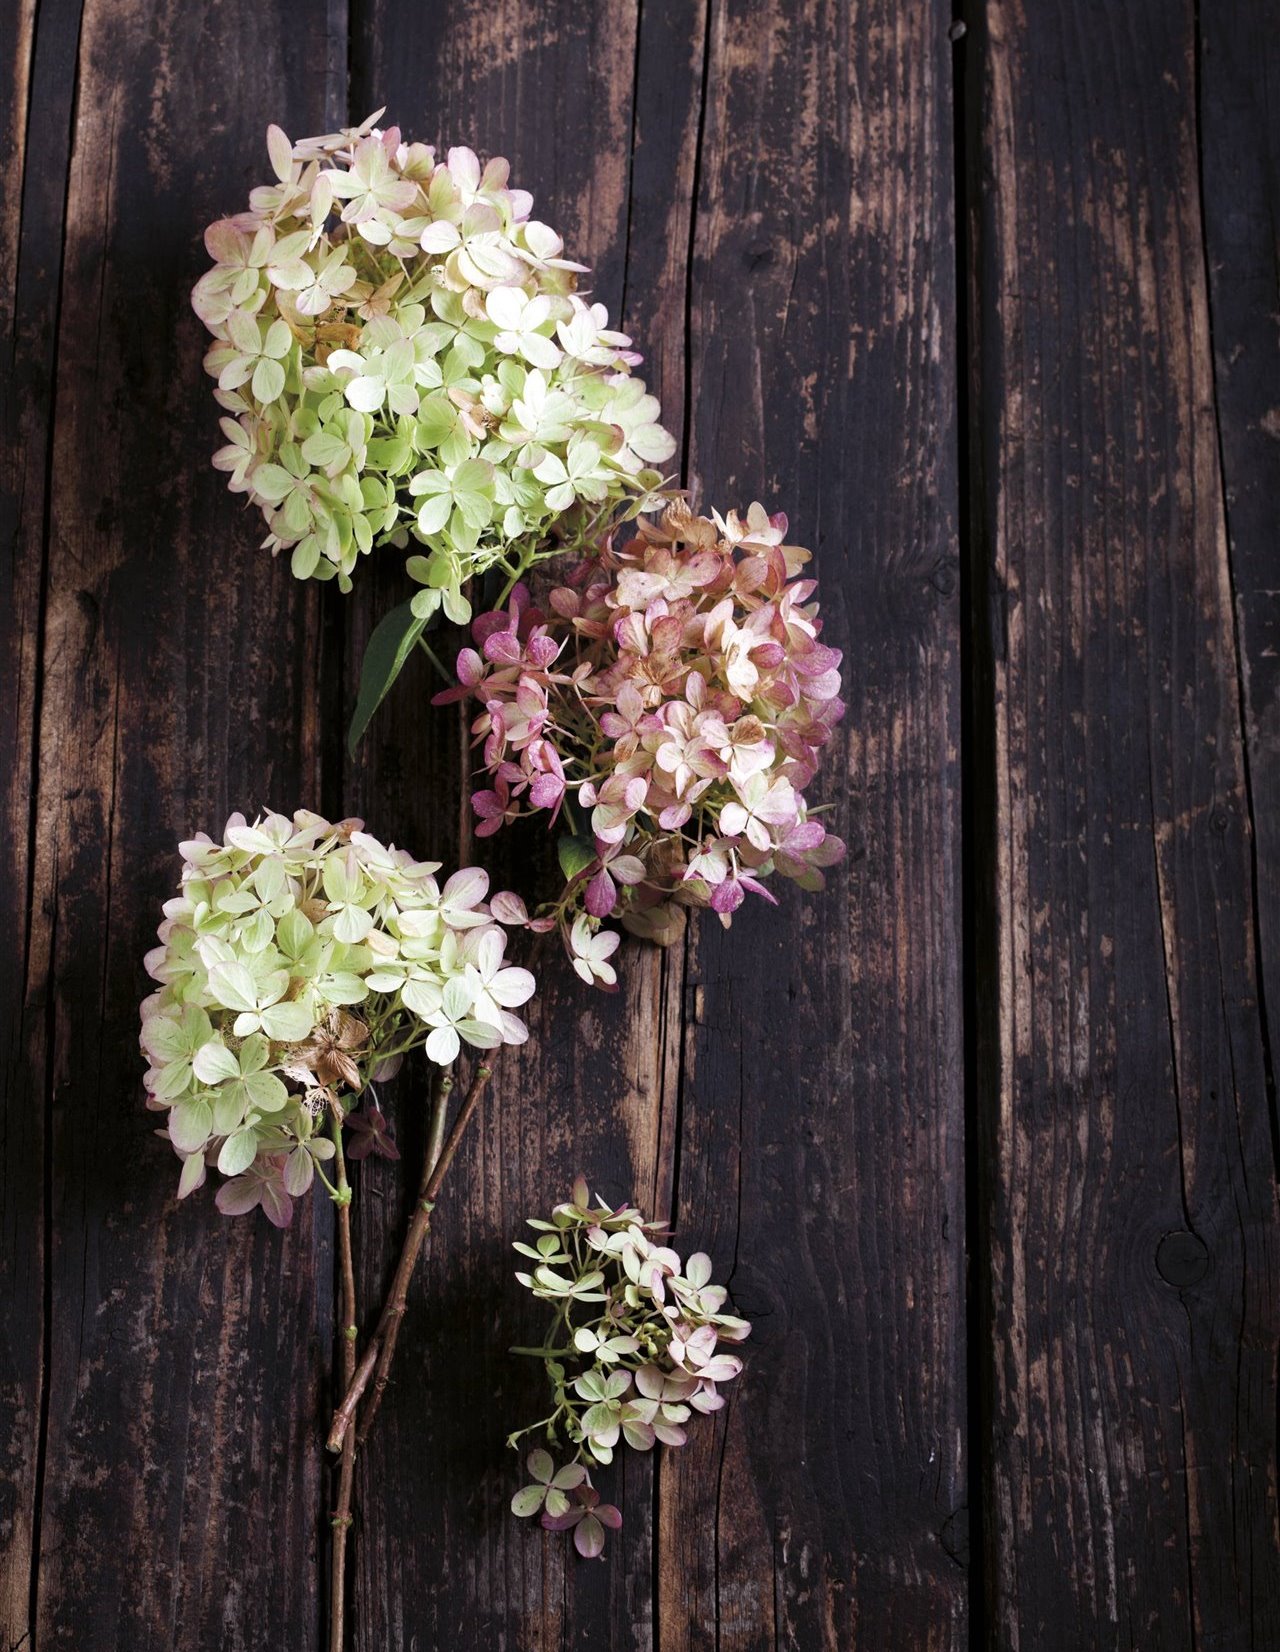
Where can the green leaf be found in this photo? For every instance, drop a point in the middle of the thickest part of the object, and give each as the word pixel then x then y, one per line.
pixel 575 855
pixel 527 1501
pixel 388 648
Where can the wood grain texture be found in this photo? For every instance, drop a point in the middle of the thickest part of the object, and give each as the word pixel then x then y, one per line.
pixel 175 1479
pixel 820 1151
pixel 1238 112
pixel 30 271
pixel 1130 1429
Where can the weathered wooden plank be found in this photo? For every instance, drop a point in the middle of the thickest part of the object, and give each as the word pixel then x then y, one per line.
pixel 1239 138
pixel 1132 1267
pixel 821 1144
pixel 186 1353
pixel 437 1556
pixel 35 101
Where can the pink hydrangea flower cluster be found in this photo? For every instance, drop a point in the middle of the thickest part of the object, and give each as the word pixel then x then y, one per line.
pixel 672 707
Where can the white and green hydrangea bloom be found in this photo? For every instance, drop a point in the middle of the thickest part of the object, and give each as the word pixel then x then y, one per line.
pixel 403 359
pixel 298 960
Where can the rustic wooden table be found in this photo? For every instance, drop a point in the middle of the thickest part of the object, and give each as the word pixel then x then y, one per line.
pixel 985 1136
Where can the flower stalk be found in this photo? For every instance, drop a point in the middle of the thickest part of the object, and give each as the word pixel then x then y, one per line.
pixel 348 1332
pixel 375 1365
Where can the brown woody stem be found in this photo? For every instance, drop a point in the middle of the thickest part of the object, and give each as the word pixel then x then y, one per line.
pixel 346 1470
pixel 376 1364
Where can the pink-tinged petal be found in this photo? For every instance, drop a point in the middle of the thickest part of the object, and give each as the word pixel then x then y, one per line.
pixel 512 987
pixel 464 168
pixel 546 791
pixel 727 896
pixel 277 1206
pixel 601 894
pixel 490 806
pixel 543 651
pixel 825 687
pixel 239 1196
pixel 588 1537
pixel 225 243
pixel 503 648
pixel 757 888
pixel 440 237
pixel 508 908
pixel 831 850
pixel 466 889
pixel 608 1515
pixel 470 667
pixel 513 1028
pixel 804 836
pixel 733 817
pixel 723 1368
pixel 484 625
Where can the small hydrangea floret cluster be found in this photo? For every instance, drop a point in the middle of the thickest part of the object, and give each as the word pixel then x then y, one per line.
pixel 401 355
pixel 673 705
pixel 632 1352
pixel 299 961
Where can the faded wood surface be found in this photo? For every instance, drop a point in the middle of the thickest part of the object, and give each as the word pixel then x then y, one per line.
pixel 767 195
pixel 1130 1262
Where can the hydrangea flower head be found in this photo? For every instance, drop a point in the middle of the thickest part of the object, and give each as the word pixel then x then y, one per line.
pixel 632 1353
pixel 298 961
pixel 672 705
pixel 401 356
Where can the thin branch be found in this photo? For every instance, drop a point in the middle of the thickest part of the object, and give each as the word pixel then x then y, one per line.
pixel 435 1163
pixel 346 1471
pixel 376 1363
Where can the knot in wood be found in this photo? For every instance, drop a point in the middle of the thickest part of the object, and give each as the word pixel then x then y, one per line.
pixel 1182 1259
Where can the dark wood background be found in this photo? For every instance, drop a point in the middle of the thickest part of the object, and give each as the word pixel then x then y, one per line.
pixel 984 1138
